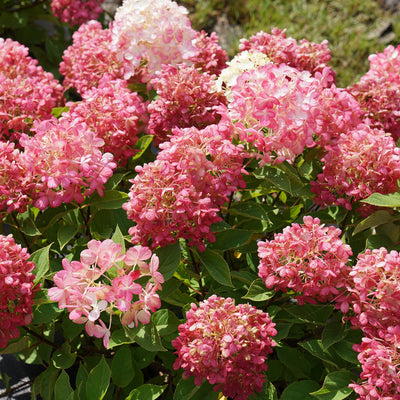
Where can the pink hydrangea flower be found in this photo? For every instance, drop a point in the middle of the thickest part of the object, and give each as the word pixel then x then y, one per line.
pixel 87 290
pixel 363 161
pixel 115 114
pixel 275 110
pixel 16 289
pixel 211 57
pixel 178 195
pixel 186 98
pixel 304 56
pixel 373 292
pixel 89 58
pixel 64 157
pixel 378 91
pixel 309 259
pixel 379 360
pixel 27 92
pixel 147 34
pixel 226 344
pixel 76 12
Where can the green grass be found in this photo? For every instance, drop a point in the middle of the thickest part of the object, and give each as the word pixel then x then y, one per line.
pixel 346 24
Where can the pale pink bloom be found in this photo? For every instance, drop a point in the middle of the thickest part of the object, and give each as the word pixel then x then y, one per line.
pixel 147 34
pixel 227 345
pixel 309 259
pixel 304 56
pixel 17 289
pixel 76 12
pixel 104 254
pixel 363 161
pixel 89 58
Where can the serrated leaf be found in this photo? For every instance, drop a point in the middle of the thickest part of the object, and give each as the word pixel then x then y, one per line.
pixel 374 220
pixel 148 338
pixel 216 266
pixel 42 262
pixel 230 239
pixel 315 348
pixel 112 199
pixel 98 380
pixel 62 388
pixel 383 200
pixel 66 233
pixel 147 391
pixel 258 291
pixel 335 387
pixel 314 313
pixel 170 258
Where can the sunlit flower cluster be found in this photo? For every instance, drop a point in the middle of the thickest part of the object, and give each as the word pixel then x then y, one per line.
pixel 309 259
pixel 65 158
pixel 147 34
pixel 227 345
pixel 16 289
pixel 105 279
pixel 89 58
pixel 178 195
pixel 27 92
pixel 303 55
pixel 186 98
pixel 363 161
pixel 76 12
pixel 275 110
pixel 115 114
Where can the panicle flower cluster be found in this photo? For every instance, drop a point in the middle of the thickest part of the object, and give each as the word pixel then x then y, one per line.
pixel 178 195
pixel 65 159
pixel 211 57
pixel 115 114
pixel 105 279
pixel 226 344
pixel 16 289
pixel 186 98
pixel 363 161
pixel 373 292
pixel 17 184
pixel 380 360
pixel 76 12
pixel 89 58
pixel 310 259
pixel 275 110
pixel 244 61
pixel 147 34
pixel 27 92
pixel 304 56
pixel 378 91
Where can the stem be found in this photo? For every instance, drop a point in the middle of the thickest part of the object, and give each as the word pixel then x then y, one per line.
pixel 20 231
pixel 229 206
pixel 41 338
pixel 86 221
pixel 198 271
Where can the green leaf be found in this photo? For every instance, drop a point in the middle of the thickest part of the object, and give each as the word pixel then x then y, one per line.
pixel 23 343
pixel 216 266
pixel 98 380
pixel 118 238
pixel 42 262
pixel 122 371
pixel 58 111
pixel 46 381
pixel 258 291
pixel 334 332
pixel 142 144
pixel 299 390
pixel 376 219
pixel 46 313
pixel 391 200
pixel 63 358
pixel 112 199
pixel 62 388
pixel 295 361
pixel 27 224
pixel 65 234
pixel 249 209
pixel 336 386
pixel 165 321
pixel 119 338
pixel 230 239
pixel 314 313
pixel 315 348
pixel 268 392
pixel 187 390
pixel 146 391
pixel 170 258
pixel 148 338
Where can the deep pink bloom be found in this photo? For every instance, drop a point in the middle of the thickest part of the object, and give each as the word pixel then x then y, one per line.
pixel 178 195
pixel 147 34
pixel 87 289
pixel 304 56
pixel 275 111
pixel 16 289
pixel 309 259
pixel 27 92
pixel 363 161
pixel 186 98
pixel 115 114
pixel 76 12
pixel 89 58
pixel 226 344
